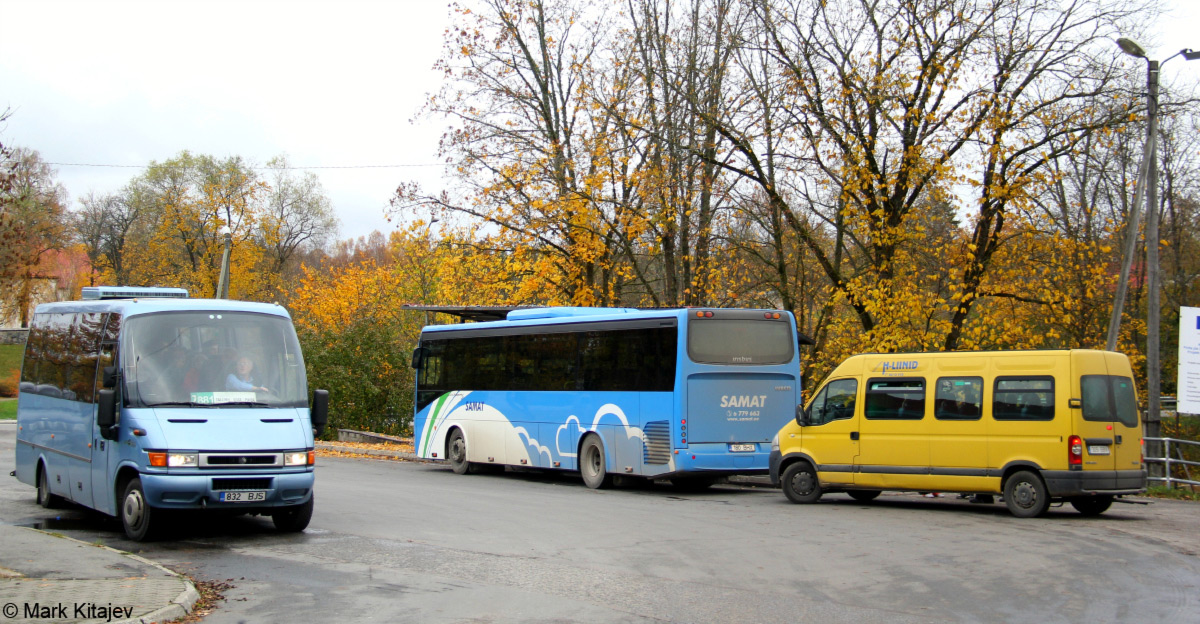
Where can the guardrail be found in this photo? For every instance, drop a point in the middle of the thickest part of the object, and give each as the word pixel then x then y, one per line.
pixel 1170 462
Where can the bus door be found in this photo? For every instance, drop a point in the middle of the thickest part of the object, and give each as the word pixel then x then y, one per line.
pixel 1094 422
pixel 104 452
pixel 831 435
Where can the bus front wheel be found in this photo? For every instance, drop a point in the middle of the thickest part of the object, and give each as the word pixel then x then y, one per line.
pixel 800 483
pixel 456 452
pixel 136 513
pixel 592 464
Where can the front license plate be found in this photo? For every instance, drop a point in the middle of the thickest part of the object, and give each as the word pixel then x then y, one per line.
pixel 1098 450
pixel 243 497
pixel 743 448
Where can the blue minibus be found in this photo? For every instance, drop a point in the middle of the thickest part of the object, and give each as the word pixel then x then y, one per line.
pixel 689 395
pixel 137 401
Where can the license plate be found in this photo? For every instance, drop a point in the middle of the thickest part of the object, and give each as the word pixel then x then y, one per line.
pixel 243 497
pixel 1098 450
pixel 743 448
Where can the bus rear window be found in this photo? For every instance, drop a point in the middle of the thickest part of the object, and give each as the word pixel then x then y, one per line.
pixel 740 341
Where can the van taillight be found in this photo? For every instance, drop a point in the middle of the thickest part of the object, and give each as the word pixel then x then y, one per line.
pixel 1075 451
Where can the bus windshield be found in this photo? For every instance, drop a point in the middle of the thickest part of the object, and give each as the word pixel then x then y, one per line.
pixel 740 341
pixel 212 359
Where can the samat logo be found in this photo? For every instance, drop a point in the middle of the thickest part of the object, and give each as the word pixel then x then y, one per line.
pixel 897 367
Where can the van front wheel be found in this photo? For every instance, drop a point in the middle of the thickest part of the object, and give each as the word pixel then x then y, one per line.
pixel 800 483
pixel 136 513
pixel 1025 495
pixel 294 519
pixel 1092 505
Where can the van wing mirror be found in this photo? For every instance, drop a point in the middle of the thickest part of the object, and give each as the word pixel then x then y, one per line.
pixel 803 418
pixel 319 414
pixel 106 413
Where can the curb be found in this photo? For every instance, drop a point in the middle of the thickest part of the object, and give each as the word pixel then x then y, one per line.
pixel 332 446
pixel 180 607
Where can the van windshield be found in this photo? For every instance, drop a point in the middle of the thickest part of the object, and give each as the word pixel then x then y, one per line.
pixel 212 359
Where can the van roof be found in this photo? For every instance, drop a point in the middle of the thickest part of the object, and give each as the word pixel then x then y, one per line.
pixel 132 307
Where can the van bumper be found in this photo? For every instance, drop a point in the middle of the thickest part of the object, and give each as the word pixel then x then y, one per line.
pixel 1092 482
pixel 203 491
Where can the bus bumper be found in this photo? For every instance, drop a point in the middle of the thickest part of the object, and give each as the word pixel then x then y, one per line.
pixel 1092 482
pixel 203 491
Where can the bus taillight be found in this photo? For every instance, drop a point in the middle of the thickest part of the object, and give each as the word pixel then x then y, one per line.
pixel 1075 451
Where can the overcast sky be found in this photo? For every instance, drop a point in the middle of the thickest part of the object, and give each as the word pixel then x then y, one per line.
pixel 329 84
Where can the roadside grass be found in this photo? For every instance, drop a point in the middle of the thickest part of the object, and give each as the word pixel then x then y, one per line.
pixel 10 358
pixel 1162 491
pixel 8 409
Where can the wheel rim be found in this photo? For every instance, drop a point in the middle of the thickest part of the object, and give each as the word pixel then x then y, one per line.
pixel 43 488
pixel 803 483
pixel 1024 495
pixel 593 461
pixel 458 450
pixel 135 508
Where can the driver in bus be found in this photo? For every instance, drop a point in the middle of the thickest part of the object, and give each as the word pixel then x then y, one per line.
pixel 241 379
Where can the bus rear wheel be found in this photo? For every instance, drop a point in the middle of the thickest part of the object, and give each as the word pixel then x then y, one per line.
pixel 44 497
pixel 592 464
pixel 1092 505
pixel 800 483
pixel 456 452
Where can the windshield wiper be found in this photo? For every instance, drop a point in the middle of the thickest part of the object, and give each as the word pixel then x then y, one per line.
pixel 179 404
pixel 241 403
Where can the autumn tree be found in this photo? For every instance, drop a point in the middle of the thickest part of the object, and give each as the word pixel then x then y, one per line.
pixel 32 216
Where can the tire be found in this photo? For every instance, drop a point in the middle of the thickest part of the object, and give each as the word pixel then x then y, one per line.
pixel 592 464
pixel 1026 495
pixel 456 453
pixel 693 484
pixel 44 497
pixel 1092 505
pixel 863 496
pixel 295 518
pixel 137 516
pixel 800 483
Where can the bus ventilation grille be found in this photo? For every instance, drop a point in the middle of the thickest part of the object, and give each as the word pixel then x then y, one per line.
pixel 657 449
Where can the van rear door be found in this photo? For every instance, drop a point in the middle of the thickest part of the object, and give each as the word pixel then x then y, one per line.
pixel 1127 438
pixel 1094 421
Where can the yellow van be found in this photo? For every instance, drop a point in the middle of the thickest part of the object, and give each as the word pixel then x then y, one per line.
pixel 1033 426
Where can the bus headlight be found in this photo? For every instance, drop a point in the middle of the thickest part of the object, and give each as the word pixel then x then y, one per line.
pixel 775 443
pixel 183 460
pixel 295 459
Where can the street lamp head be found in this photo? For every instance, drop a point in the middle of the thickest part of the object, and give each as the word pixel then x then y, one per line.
pixel 1130 47
pixel 1189 55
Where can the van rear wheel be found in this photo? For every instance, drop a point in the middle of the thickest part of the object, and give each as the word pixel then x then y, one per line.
pixel 1026 495
pixel 863 496
pixel 1092 505
pixel 800 483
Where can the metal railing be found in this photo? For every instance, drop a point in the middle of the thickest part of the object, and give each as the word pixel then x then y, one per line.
pixel 1169 462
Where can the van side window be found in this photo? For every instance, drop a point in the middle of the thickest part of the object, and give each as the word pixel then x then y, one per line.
pixel 834 402
pixel 1023 398
pixel 958 398
pixel 1107 398
pixel 895 399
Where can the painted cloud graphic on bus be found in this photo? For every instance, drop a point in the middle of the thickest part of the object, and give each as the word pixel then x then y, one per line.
pixel 608 409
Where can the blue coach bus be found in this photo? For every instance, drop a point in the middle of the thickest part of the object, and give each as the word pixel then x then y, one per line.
pixel 138 400
pixel 689 395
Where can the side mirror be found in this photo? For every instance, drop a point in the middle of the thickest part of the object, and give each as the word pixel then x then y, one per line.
pixel 109 379
pixel 319 414
pixel 106 414
pixel 803 418
pixel 418 357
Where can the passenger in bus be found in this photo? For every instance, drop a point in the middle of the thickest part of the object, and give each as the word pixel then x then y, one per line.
pixel 242 379
pixel 180 371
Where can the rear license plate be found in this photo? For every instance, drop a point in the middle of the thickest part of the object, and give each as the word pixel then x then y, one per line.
pixel 743 448
pixel 243 497
pixel 1098 450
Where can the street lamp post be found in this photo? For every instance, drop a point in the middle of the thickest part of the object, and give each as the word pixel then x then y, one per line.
pixel 1150 176
pixel 223 280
